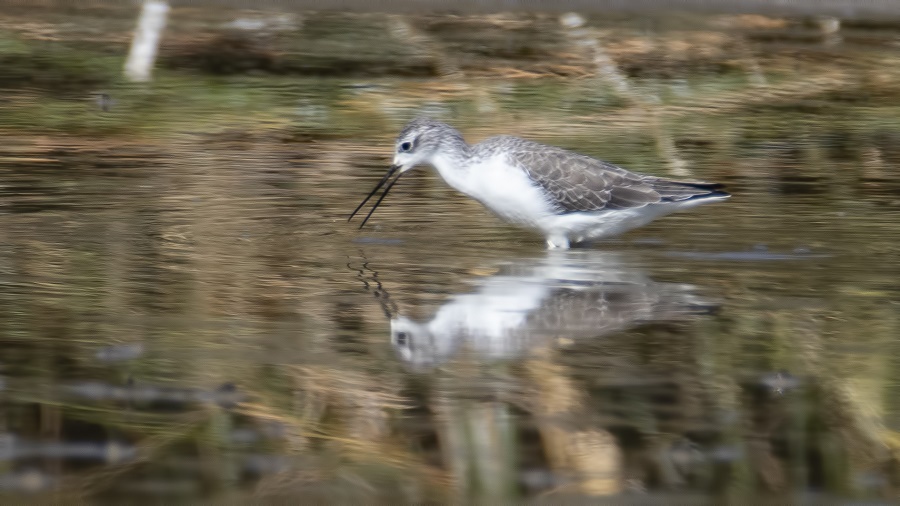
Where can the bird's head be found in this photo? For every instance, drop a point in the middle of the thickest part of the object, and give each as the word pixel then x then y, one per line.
pixel 420 142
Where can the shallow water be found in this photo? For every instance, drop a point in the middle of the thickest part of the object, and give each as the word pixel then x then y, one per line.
pixel 187 315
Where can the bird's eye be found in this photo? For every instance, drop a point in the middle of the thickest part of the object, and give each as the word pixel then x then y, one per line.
pixel 401 338
pixel 406 146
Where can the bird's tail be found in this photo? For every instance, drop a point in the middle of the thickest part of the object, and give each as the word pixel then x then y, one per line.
pixel 681 191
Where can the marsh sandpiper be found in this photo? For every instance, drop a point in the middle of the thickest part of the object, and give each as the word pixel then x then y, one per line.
pixel 568 197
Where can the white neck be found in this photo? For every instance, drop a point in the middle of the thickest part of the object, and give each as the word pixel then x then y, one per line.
pixel 453 169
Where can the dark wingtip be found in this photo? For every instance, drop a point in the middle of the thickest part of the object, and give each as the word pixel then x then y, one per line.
pixel 715 194
pixel 710 187
pixel 681 191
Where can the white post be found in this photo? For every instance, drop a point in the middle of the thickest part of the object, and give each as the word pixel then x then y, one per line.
pixel 149 30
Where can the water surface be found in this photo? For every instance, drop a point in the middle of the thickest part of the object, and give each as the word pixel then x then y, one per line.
pixel 187 316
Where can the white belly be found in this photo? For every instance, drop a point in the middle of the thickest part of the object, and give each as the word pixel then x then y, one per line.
pixel 580 226
pixel 583 226
pixel 505 190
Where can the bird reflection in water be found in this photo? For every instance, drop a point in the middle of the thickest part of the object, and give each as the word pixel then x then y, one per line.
pixel 550 301
pixel 564 437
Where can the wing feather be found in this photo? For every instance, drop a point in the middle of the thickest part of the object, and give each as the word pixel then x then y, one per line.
pixel 578 183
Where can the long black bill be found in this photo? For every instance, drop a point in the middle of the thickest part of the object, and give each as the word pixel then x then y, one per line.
pixel 391 171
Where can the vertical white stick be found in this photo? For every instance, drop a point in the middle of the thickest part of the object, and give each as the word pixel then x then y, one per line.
pixel 146 40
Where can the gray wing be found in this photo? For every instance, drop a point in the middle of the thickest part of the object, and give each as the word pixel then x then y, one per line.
pixel 581 183
pixel 611 308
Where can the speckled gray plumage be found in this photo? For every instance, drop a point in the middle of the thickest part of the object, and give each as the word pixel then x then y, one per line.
pixel 434 133
pixel 609 308
pixel 577 182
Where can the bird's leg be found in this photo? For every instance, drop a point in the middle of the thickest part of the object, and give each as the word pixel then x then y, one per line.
pixel 557 242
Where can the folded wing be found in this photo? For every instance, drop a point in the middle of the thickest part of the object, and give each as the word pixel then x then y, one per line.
pixel 578 183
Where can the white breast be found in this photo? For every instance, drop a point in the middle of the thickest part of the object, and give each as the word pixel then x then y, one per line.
pixel 492 320
pixel 504 189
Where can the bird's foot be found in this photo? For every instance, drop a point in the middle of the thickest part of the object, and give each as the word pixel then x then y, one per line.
pixel 557 242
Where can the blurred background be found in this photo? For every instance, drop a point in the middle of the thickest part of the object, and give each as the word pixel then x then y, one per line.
pixel 187 317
